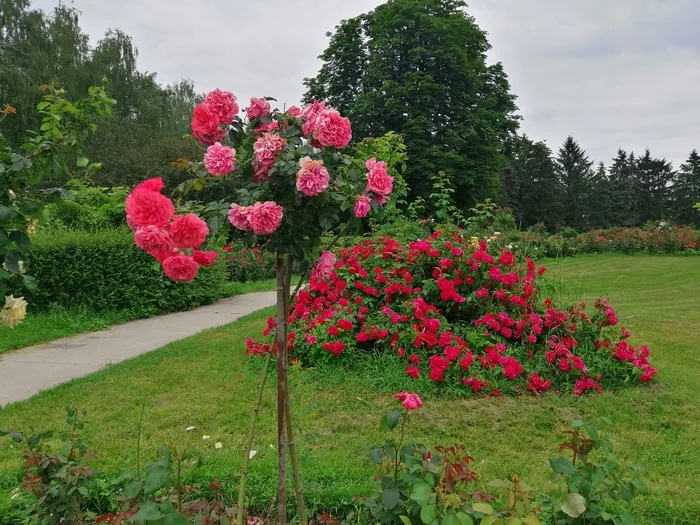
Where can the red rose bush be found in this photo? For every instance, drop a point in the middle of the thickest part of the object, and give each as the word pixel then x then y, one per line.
pixel 460 315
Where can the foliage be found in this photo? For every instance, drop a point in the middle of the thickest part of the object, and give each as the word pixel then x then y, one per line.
pixel 465 316
pixel 62 481
pixel 422 67
pixel 591 482
pixel 574 171
pixel 105 271
pixel 64 126
pixel 662 239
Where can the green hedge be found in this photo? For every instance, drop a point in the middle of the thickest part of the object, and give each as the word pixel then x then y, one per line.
pixel 106 271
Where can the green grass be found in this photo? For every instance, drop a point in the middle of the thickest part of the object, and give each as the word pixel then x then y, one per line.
pixel 205 381
pixel 59 322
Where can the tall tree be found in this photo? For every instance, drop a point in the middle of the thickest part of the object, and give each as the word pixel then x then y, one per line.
pixel 601 198
pixel 686 191
pixel 654 177
pixel 576 177
pixel 530 183
pixel 418 67
pixel 623 183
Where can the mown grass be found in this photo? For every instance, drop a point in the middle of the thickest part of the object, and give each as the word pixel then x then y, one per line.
pixel 206 382
pixel 60 322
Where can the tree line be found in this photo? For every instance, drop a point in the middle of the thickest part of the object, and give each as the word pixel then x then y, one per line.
pixel 416 67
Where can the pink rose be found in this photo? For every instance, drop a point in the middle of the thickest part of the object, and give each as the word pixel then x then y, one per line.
pixel 332 130
pixel 265 218
pixel 310 113
pixel 148 208
pixel 154 184
pixel 312 178
pixel 238 217
pixel 205 258
pixel 153 240
pixel 260 172
pixel 223 104
pixel 267 147
pixel 180 268
pixel 219 160
pixel 273 124
pixel 409 400
pixel 188 231
pixel 362 206
pixel 294 111
pixel 378 180
pixel 324 266
pixel 259 107
pixel 381 199
pixel 205 125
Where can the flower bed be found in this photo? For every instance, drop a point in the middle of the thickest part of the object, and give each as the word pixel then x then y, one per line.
pixel 674 239
pixel 461 315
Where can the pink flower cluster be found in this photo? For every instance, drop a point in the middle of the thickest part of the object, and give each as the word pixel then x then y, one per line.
pixel 266 149
pixel 218 109
pixel 379 186
pixel 260 218
pixel 220 160
pixel 171 239
pixel 326 126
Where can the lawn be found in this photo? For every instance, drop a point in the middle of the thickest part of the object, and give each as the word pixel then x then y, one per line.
pixel 205 381
pixel 57 323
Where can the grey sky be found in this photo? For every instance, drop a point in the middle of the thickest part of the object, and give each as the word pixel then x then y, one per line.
pixel 623 73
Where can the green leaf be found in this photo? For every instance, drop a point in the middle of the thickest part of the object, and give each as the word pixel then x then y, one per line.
pixel 575 505
pixel 83 490
pixel 488 520
pixel 21 239
pixel 428 514
pixel 155 480
pixel 562 465
pixel 390 498
pixel 627 519
pixel 4 238
pixel 30 209
pixel 147 512
pixel 5 214
pixel 422 493
pixel 133 488
pixel 450 519
pixel 484 508
pixel 29 282
pixel 14 435
pixel 174 519
pixel 597 477
pixel 82 162
pixel 12 259
pixel 405 520
pixel 531 520
pixel 34 440
pixel 627 491
pixel 464 518
pixel 639 485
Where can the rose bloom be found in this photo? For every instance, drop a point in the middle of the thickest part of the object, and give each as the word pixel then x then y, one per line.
pixel 409 400
pixel 223 104
pixel 13 312
pixel 148 208
pixel 265 218
pixel 362 206
pixel 153 240
pixel 180 268
pixel 331 129
pixel 188 231
pixel 267 147
pixel 238 217
pixel 154 184
pixel 312 178
pixel 259 107
pixel 310 113
pixel 205 125
pixel 378 180
pixel 294 111
pixel 205 258
pixel 219 160
pixel 325 266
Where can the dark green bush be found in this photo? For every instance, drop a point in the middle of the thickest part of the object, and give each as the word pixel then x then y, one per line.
pixel 106 271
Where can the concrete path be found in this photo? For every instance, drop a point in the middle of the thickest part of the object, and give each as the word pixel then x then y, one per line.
pixel 28 371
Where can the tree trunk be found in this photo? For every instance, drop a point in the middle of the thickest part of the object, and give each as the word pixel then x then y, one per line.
pixel 281 345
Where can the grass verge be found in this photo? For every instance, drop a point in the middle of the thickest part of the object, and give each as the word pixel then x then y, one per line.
pixel 205 381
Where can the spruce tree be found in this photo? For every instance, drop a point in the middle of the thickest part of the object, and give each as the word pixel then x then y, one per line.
pixel 685 192
pixel 623 208
pixel 574 172
pixel 601 199
pixel 654 177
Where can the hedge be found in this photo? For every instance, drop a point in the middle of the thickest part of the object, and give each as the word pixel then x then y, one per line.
pixel 106 271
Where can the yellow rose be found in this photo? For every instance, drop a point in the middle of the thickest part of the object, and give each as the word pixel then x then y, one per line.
pixel 14 311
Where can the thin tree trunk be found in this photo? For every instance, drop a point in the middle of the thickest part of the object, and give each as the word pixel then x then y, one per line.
pixel 281 344
pixel 296 474
pixel 249 439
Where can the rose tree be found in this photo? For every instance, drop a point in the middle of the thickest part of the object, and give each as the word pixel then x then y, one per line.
pixel 289 184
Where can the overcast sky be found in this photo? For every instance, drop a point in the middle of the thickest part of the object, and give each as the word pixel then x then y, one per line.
pixel 623 73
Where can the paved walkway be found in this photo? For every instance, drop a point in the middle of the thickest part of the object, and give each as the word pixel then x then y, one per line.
pixel 28 371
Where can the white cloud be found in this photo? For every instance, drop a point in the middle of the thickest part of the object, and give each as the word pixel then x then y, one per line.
pixel 612 74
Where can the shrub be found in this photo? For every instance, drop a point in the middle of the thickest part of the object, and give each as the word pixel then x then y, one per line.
pixel 106 271
pixel 466 317
pixel 249 264
pixel 674 239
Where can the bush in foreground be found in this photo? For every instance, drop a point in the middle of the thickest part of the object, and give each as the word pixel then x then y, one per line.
pixel 462 316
